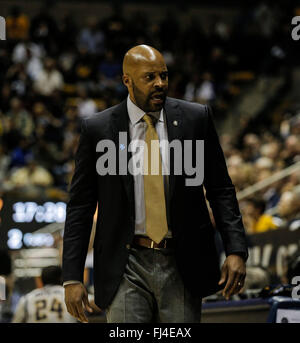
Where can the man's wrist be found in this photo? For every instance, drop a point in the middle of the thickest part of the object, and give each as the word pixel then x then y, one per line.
pixel 243 255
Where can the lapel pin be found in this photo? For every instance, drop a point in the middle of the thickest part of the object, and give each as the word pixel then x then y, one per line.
pixel 175 123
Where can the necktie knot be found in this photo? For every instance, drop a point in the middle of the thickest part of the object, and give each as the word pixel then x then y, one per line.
pixel 149 120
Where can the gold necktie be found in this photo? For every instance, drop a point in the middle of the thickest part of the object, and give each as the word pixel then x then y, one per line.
pixel 155 206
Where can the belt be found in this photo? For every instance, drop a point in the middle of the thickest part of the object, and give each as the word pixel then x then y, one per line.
pixel 148 243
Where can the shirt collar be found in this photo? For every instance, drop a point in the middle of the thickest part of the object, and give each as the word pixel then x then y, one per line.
pixel 136 114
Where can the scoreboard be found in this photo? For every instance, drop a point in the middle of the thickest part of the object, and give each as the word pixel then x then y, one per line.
pixel 20 218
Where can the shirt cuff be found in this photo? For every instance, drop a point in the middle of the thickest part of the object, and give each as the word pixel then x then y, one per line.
pixel 71 282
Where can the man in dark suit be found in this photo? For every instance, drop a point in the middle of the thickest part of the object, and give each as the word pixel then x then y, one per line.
pixel 154 249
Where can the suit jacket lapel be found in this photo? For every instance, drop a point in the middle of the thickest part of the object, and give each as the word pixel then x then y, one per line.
pixel 174 127
pixel 120 123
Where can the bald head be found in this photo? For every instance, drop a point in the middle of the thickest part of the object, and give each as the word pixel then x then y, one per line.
pixel 145 75
pixel 139 55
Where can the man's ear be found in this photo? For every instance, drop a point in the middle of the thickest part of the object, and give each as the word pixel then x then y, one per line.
pixel 126 80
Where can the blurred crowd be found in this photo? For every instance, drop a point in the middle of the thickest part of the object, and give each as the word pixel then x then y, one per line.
pixel 260 156
pixel 54 72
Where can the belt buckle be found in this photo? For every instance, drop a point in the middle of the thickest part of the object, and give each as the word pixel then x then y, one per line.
pixel 152 245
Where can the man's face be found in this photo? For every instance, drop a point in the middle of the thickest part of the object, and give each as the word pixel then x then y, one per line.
pixel 149 85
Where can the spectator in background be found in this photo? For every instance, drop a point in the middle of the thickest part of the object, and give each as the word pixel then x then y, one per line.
pixel 109 67
pixel 20 54
pixel 49 135
pixel 11 137
pixel 190 88
pixel 31 175
pixel 86 106
pixel 271 149
pixel 83 68
pixel 66 63
pixel 29 55
pixel 289 210
pixel 22 120
pixel 242 173
pixel 17 25
pixel 251 146
pixel 46 304
pixel 109 75
pixel 256 221
pixel 68 32
pixel 47 126
pixel 5 99
pixel 219 68
pixel 48 79
pixel 115 29
pixel 20 80
pixel 43 29
pixel 21 154
pixel 91 38
pixel 4 165
pixel 205 94
pixel 291 152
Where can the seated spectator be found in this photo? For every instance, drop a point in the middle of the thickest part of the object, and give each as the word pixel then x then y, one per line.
pixel 66 62
pixel 270 150
pixel 291 152
pixel 83 67
pixel 86 106
pixel 264 163
pixel 5 98
pixel 43 28
pixel 241 173
pixel 21 154
pixel 20 51
pixel 92 38
pixel 289 210
pixel 34 66
pixel 258 221
pixel 20 80
pixel 22 120
pixel 48 79
pixel 31 175
pixel 110 68
pixel 17 25
pixel 4 164
pixel 47 126
pixel 190 88
pixel 205 94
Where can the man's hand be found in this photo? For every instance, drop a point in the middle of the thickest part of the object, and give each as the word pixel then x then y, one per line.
pixel 76 299
pixel 234 272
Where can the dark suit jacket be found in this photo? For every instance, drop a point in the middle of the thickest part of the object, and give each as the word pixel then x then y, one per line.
pixel 190 223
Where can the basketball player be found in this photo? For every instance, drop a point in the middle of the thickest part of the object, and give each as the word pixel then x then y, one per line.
pixel 46 304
